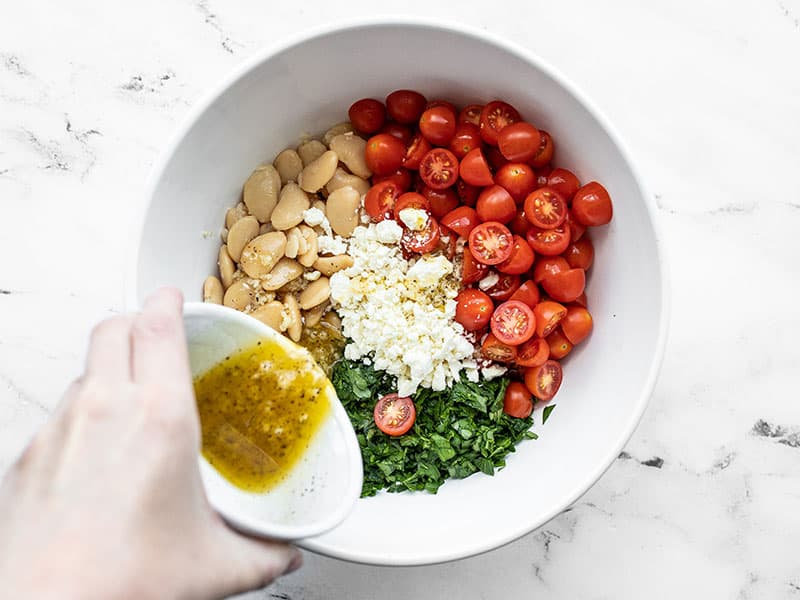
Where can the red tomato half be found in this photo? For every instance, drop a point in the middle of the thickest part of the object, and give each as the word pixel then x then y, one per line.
pixel 592 205
pixel 548 242
pixel 559 345
pixel 564 182
pixel 495 350
pixel 528 293
pixel 545 208
pixel 491 242
pixel 533 353
pixel 518 178
pixel 545 152
pixel 416 151
pixel 548 315
pixel 380 199
pixel 496 204
pixel 466 139
pixel 401 132
pixel 517 401
pixel 513 322
pixel 462 220
pixel 405 106
pixel 471 114
pixel 544 381
pixel 438 125
pixel 565 286
pixel 384 154
pixel 580 254
pixel 475 170
pixel 472 271
pixel 495 116
pixel 577 325
pixel 394 415
pixel 367 115
pixel 519 141
pixel 422 241
pixel 473 309
pixel 441 201
pixel 402 177
pixel 505 287
pixel 439 168
pixel 520 260
pixel 547 266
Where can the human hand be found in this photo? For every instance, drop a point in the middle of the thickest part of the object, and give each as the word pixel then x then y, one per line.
pixel 107 501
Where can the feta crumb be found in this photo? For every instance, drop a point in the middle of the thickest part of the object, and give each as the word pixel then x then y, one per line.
pixel 492 371
pixel 311 275
pixel 327 244
pixel 313 216
pixel 489 281
pixel 389 232
pixel 429 270
pixel 414 218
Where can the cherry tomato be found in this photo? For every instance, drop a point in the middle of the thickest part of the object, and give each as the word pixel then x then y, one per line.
pixel 565 286
pixel 528 293
pixel 475 170
pixel 405 106
pixel 384 154
pixel 494 117
pixel 401 132
pixel 416 151
pixel 495 160
pixel 462 220
pixel 519 224
pixel 439 168
pixel 576 230
pixel 468 193
pixel 521 258
pixel 545 208
pixel 591 205
pixel 505 287
pixel 367 115
pixel 441 201
pixel 471 114
pixel 546 150
pixel 547 266
pixel 519 141
pixel 466 138
pixel 472 271
pixel 380 199
pixel 491 243
pixel 410 200
pixel 580 254
pixel 564 182
pixel 548 242
pixel 559 345
pixel 517 401
pixel 543 381
pixel 438 125
pixel 533 353
pixel 402 177
pixel 421 241
pixel 513 322
pixel 577 325
pixel 496 204
pixel 495 350
pixel 548 315
pixel 445 103
pixel 394 415
pixel 518 178
pixel 473 309
pixel 581 300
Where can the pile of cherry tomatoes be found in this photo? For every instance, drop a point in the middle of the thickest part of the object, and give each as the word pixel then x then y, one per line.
pixel 485 175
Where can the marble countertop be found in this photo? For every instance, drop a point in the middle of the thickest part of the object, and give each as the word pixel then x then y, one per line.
pixel 704 500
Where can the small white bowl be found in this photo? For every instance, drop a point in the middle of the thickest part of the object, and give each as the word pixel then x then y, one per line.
pixel 322 488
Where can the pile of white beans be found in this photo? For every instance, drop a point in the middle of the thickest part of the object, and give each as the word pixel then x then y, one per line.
pixel 270 263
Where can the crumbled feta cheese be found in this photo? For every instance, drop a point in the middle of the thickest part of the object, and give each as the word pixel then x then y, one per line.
pixel 414 218
pixel 311 275
pixel 489 281
pixel 389 232
pixel 364 219
pixel 428 270
pixel 327 244
pixel 493 371
pixel 313 216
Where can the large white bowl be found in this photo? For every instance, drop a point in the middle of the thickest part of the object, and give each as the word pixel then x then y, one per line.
pixel 306 84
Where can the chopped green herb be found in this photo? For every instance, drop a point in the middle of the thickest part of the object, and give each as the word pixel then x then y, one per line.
pixel 546 412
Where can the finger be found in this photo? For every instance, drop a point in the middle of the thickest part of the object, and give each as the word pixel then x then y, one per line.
pixel 159 344
pixel 109 355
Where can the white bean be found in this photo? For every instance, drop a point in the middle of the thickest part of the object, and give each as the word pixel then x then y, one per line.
pixel 262 253
pixel 338 129
pixel 271 314
pixel 285 270
pixel 240 295
pixel 350 149
pixel 235 213
pixel 315 294
pixel 310 151
pixel 240 234
pixel 289 165
pixel 226 266
pixel 309 257
pixel 342 178
pixel 212 290
pixel 312 317
pixel 328 265
pixel 261 191
pixel 289 211
pixel 316 174
pixel 343 205
pixel 293 318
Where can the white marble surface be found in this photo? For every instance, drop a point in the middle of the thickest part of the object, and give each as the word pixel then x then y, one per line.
pixel 704 502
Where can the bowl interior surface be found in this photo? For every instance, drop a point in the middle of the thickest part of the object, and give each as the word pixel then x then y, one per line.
pixel 306 87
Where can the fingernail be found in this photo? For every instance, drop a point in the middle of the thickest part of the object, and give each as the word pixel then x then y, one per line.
pixel 296 563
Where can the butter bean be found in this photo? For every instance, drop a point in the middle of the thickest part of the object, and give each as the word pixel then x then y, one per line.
pixel 288 165
pixel 318 173
pixel 316 293
pixel 289 211
pixel 350 150
pixel 235 213
pixel 343 205
pixel 240 295
pixel 262 253
pixel 240 234
pixel 312 317
pixel 226 266
pixel 332 320
pixel 309 257
pixel 328 265
pixel 310 151
pixel 293 318
pixel 285 270
pixel 212 290
pixel 293 237
pixel 337 129
pixel 342 178
pixel 270 314
pixel 261 191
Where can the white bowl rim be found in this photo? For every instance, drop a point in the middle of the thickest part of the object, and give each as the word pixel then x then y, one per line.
pixel 485 544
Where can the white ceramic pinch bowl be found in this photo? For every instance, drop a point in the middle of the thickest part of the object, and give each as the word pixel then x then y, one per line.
pixel 305 85
pixel 321 489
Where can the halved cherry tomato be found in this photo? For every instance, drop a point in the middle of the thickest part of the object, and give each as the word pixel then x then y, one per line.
pixel 496 204
pixel 384 153
pixel 441 201
pixel 439 168
pixel 402 177
pixel 438 125
pixel 519 224
pixel 545 208
pixel 416 151
pixel 394 415
pixel 548 242
pixel 559 345
pixel 519 141
pixel 544 381
pixel 533 353
pixel 494 349
pixel 577 325
pixel 471 114
pixel 494 117
pixel 546 150
pixel 468 193
pixel 517 401
pixel 491 242
pixel 505 287
pixel 563 181
pixel 521 258
pixel 421 241
pixel 439 102
pixel 401 132
pixel 580 254
pixel 475 170
pixel 518 178
pixel 565 286
pixel 513 322
pixel 367 115
pixel 466 138
pixel 592 205
pixel 410 200
pixel 472 270
pixel 405 106
pixel 576 230
pixel 528 293
pixel 581 300
pixel 547 266
pixel 548 315
pixel 462 220
pixel 495 158
pixel 473 309
pixel 380 199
